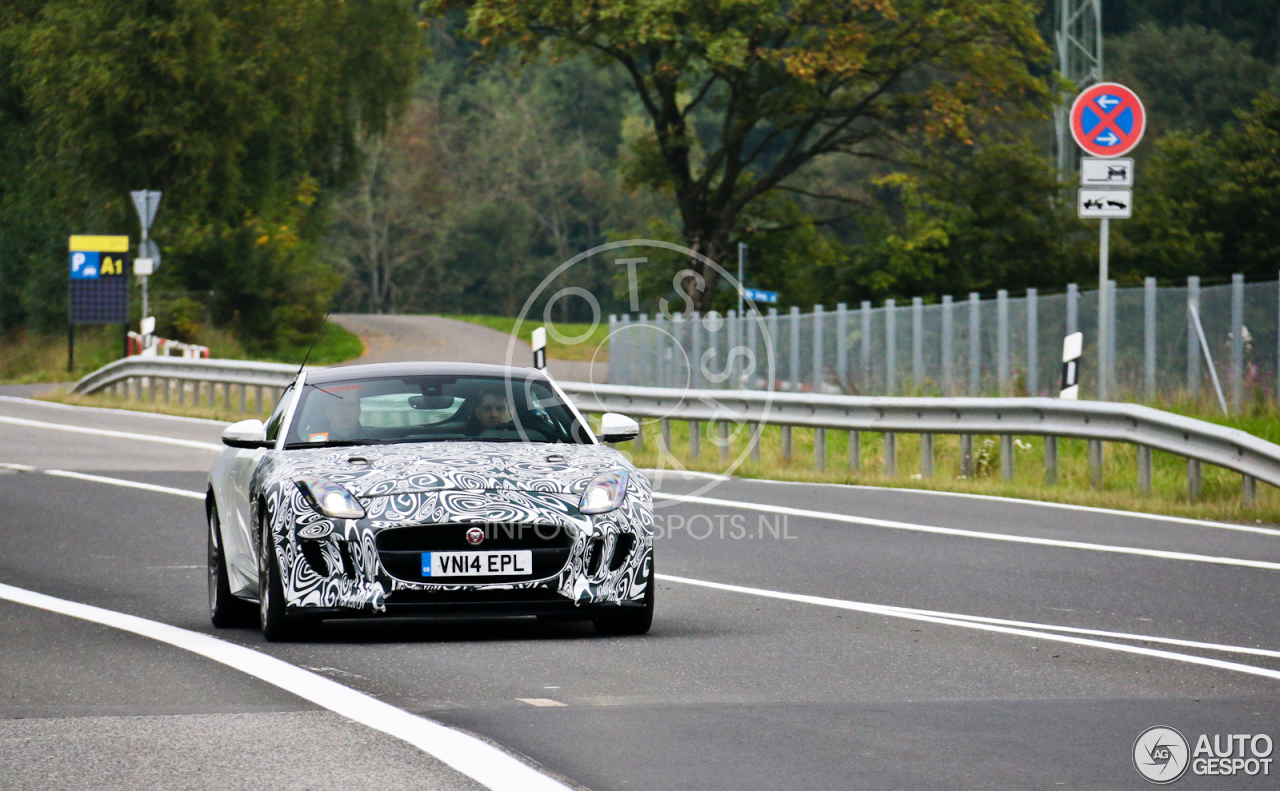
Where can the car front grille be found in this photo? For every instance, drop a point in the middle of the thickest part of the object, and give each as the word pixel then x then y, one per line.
pixel 400 549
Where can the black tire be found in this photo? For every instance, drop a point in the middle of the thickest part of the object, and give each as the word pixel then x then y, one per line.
pixel 629 620
pixel 225 610
pixel 277 626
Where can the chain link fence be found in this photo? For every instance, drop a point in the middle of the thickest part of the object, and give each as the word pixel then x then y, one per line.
pixel 1010 346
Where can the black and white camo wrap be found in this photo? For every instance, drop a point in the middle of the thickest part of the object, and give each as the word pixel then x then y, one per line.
pixel 450 483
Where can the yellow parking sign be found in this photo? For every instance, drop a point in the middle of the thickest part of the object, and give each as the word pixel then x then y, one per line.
pixel 99 244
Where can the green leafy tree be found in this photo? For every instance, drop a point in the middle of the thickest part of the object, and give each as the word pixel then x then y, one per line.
pixel 245 114
pixel 1209 204
pixel 741 96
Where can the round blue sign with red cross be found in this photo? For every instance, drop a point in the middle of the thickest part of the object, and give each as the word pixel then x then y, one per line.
pixel 1108 119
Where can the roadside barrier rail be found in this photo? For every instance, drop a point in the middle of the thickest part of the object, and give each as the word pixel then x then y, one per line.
pixel 1149 429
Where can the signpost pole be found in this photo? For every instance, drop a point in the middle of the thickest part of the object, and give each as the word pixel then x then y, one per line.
pixel 1104 239
pixel 742 263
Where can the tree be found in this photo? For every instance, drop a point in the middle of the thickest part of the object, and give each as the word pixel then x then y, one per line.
pixel 742 96
pixel 245 114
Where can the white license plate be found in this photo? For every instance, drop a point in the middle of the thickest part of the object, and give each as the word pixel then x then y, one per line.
pixel 477 564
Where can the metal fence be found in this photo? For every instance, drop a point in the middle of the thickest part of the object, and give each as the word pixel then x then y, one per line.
pixel 1009 346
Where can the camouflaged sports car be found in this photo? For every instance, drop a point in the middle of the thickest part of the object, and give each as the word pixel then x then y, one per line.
pixel 428 488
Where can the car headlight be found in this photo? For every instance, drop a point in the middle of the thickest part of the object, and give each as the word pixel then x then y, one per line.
pixel 605 492
pixel 330 498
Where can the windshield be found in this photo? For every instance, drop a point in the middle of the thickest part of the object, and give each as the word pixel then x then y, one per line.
pixel 431 409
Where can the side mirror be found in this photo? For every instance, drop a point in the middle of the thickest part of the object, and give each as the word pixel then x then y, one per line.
pixel 617 428
pixel 245 434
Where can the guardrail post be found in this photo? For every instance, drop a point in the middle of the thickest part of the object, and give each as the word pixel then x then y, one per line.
pixel 1193 341
pixel 948 345
pixel 842 346
pixel 818 353
pixel 244 407
pixel 695 438
pixel 794 352
pixel 890 346
pixel 182 392
pixel 786 443
pixel 151 387
pixel 1097 456
pixel 966 456
pixel 1194 481
pixel 917 342
pixel 1149 337
pixel 1006 457
pixel 756 430
pixel 1249 490
pixel 926 455
pixel 1050 461
pixel 664 443
pixel 1033 342
pixel 865 348
pixel 820 449
pixel 722 433
pixel 975 343
pixel 855 451
pixel 1236 373
pixel 890 454
pixel 1144 469
pixel 1002 341
pixel 638 442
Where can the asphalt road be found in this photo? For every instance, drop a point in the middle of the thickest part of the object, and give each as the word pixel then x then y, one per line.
pixel 735 688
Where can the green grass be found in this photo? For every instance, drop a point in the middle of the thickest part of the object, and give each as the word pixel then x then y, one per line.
pixel 29 357
pixel 584 341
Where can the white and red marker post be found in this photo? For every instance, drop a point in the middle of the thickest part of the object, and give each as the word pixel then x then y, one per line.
pixel 1107 120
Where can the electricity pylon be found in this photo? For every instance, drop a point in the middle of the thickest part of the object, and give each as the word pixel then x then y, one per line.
pixel 1078 45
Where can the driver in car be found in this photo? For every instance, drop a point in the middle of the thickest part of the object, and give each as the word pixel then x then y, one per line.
pixel 341 418
pixel 493 411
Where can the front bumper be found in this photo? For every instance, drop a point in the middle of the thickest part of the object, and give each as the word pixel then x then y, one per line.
pixel 354 567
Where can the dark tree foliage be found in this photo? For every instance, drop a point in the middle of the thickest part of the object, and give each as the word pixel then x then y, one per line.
pixel 244 114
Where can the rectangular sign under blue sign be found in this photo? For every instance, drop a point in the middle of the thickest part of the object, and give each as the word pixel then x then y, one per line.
pixel 760 295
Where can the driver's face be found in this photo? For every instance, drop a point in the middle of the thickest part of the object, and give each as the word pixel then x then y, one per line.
pixel 344 416
pixel 493 411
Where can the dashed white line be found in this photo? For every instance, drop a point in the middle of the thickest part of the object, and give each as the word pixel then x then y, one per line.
pixel 952 531
pixel 541 702
pixel 150 487
pixel 103 432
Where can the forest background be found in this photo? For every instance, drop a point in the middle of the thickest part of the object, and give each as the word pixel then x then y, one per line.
pixel 378 156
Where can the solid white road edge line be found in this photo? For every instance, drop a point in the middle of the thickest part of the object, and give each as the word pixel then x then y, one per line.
pixel 1231 649
pixel 952 531
pixel 113 410
pixel 102 432
pixel 1182 520
pixel 896 612
pixel 472 757
pixel 150 487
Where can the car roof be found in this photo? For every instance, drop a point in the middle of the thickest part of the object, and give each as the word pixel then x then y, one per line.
pixel 390 370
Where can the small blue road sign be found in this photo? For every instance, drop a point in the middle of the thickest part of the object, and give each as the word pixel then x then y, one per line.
pixel 760 295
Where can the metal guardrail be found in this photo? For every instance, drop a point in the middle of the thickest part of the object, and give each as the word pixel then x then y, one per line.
pixel 1149 429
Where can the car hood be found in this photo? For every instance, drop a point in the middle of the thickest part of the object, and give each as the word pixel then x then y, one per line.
pixel 379 470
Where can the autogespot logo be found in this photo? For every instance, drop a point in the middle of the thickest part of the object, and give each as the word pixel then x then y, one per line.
pixel 687 343
pixel 1160 754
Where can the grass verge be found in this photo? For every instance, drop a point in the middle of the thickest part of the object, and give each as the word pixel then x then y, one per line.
pixel 577 342
pixel 29 357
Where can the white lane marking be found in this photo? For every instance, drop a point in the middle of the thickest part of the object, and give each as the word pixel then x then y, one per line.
pixel 150 487
pixel 896 612
pixel 1231 649
pixel 541 702
pixel 953 531
pixel 112 410
pixel 695 474
pixel 472 757
pixel 102 432
pixel 1182 520
pixel 17 467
